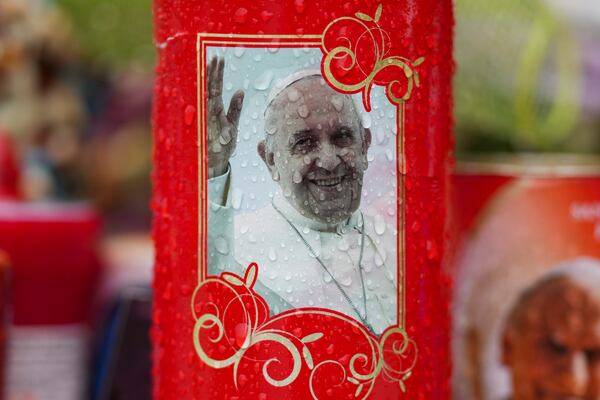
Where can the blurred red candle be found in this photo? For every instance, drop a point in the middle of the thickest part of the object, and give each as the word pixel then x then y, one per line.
pixel 301 159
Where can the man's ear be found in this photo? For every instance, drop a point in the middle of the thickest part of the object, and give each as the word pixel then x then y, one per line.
pixel 267 156
pixel 366 140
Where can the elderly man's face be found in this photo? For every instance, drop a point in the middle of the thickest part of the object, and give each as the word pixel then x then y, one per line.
pixel 553 350
pixel 317 149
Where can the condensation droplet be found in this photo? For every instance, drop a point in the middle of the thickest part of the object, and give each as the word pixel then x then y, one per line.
pixel 264 81
pixel 239 52
pixel 222 245
pixel 338 103
pixel 389 155
pixel 271 127
pixel 189 114
pixel 237 196
pixel 292 94
pixel 303 111
pixel 379 225
pixel 327 277
pixel 367 121
pixel 346 281
pixel 240 15
pixel 276 176
pixel 272 254
pixel 343 245
pixel 296 177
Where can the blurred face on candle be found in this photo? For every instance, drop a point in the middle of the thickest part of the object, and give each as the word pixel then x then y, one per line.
pixel 316 149
pixel 552 343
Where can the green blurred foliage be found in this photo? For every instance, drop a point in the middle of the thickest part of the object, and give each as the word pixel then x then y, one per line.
pixel 519 77
pixel 115 32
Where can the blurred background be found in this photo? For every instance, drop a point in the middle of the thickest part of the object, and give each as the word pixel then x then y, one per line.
pixel 76 81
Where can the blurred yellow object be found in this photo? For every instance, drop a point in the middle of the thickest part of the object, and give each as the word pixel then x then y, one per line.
pixel 519 78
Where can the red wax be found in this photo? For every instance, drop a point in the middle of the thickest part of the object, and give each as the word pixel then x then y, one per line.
pixel 414 29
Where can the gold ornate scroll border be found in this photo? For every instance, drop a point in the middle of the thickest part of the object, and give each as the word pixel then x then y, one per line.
pixel 204 40
pixel 210 331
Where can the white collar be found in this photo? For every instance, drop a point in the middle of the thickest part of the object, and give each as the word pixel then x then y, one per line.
pixel 301 221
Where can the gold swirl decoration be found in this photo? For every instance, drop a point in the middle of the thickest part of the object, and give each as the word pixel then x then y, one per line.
pixel 369 66
pixel 232 322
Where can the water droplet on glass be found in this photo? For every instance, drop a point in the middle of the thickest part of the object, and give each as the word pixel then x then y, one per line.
pixel 240 15
pixel 276 177
pixel 347 281
pixel 237 195
pixel 228 86
pixel 389 155
pixel 272 254
pixel 293 95
pixel 189 114
pixel 367 121
pixel 264 80
pixel 379 224
pixel 299 6
pixel 327 277
pixel 307 160
pixel 303 111
pixel 239 52
pixel 306 230
pixel 222 245
pixel 287 192
pixel 225 137
pixel 343 245
pixel 289 289
pixel 322 196
pixel 288 277
pixel 338 102
pixel 271 127
pixel 296 177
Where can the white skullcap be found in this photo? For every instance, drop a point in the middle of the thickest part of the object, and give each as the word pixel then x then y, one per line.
pixel 283 83
pixel 294 77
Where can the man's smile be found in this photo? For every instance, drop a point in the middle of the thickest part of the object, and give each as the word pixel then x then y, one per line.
pixel 327 182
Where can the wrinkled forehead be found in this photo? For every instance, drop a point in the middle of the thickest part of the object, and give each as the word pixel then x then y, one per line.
pixel 562 299
pixel 311 95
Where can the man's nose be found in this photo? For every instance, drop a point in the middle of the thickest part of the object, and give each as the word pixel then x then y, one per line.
pixel 328 158
pixel 579 374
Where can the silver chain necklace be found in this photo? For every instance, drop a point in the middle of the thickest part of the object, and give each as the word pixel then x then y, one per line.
pixel 364 319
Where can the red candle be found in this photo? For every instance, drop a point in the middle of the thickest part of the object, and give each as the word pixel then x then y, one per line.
pixel 301 156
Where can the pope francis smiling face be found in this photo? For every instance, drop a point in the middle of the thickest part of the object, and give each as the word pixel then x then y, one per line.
pixel 316 149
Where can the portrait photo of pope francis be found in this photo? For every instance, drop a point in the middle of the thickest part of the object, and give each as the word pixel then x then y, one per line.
pixel 303 182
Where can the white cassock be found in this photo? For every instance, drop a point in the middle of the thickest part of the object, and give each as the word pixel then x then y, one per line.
pixel 293 269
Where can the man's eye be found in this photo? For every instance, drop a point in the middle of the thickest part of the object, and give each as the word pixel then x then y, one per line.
pixel 343 138
pixel 593 354
pixel 304 143
pixel 555 347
